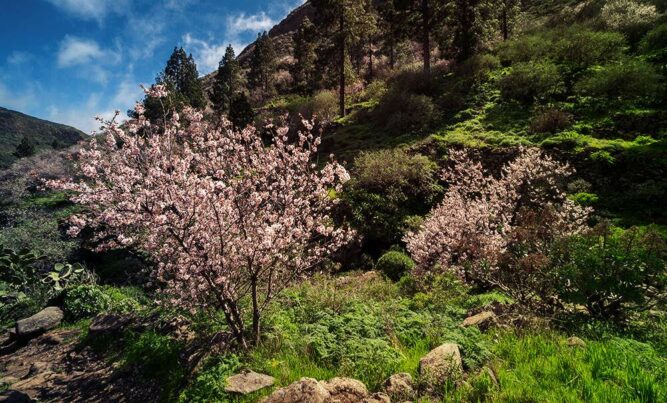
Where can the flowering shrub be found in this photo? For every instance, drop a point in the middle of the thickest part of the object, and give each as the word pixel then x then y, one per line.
pixel 488 229
pixel 223 214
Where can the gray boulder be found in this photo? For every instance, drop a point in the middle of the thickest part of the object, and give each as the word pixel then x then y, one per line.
pixel 42 321
pixel 248 382
pixel 346 390
pixel 400 387
pixel 482 320
pixel 302 391
pixel 441 364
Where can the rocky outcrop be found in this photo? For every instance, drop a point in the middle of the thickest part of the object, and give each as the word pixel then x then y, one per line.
pixel 346 390
pixel 248 382
pixel 400 387
pixel 42 321
pixel 441 364
pixel 482 320
pixel 377 398
pixel 108 324
pixel 305 390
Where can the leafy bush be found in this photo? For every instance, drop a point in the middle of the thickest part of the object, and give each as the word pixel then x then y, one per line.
pixel 610 271
pixel 387 189
pixel 578 48
pixel 85 301
pixel 550 121
pixel 125 299
pixel 395 264
pixel 631 17
pixel 655 44
pixel 629 79
pixel 209 385
pixel 479 66
pixel 585 199
pixel 401 112
pixel 525 49
pixel 324 105
pixel 532 81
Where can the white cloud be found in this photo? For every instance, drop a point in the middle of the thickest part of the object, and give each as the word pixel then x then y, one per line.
pixel 243 23
pixel 206 54
pixel 18 57
pixel 74 51
pixel 96 10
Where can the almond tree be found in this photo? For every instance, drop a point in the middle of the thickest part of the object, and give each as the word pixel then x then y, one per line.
pixel 223 215
pixel 478 222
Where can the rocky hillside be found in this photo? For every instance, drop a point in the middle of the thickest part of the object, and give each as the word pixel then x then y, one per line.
pixel 14 126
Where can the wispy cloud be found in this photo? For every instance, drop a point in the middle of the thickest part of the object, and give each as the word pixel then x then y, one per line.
pixel 16 58
pixel 96 10
pixel 240 23
pixel 88 56
pixel 207 54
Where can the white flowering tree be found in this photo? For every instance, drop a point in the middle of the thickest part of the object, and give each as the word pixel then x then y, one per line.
pixel 224 215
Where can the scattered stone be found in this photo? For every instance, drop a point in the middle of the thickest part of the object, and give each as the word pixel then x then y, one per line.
pixel 574 341
pixel 304 390
pixel 37 367
pixel 44 320
pixel 248 382
pixel 377 398
pixel 439 365
pixel 482 320
pixel 400 387
pixel 106 324
pixel 346 390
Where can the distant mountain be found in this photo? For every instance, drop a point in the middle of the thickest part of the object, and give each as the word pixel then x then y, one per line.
pixel 44 134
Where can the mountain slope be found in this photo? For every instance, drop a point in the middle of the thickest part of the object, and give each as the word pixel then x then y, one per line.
pixel 44 134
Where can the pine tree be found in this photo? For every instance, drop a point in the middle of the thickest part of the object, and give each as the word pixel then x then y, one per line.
pixel 240 112
pixel 181 77
pixel 262 66
pixel 25 148
pixel 227 81
pixel 509 10
pixel 305 58
pixel 349 21
pixel 393 26
pixel 472 21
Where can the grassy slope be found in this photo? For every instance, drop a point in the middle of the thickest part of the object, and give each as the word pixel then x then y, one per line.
pixel 14 126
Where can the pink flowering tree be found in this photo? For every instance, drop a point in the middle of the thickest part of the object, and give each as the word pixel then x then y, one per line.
pixel 223 215
pixel 489 228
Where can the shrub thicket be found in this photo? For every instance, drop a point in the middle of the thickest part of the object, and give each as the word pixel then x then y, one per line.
pixel 628 79
pixel 395 264
pixel 532 81
pixel 85 301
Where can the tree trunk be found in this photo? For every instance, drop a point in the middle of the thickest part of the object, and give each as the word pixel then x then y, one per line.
pixel 370 61
pixel 234 321
pixel 392 55
pixel 255 313
pixel 341 93
pixel 505 28
pixel 426 38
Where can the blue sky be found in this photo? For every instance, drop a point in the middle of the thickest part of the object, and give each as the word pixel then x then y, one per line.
pixel 70 60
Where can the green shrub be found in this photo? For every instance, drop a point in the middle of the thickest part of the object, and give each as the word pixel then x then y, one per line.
pixel 631 17
pixel 401 112
pixel 629 79
pixel 209 385
pixel 524 49
pixel 388 188
pixel 395 264
pixel 85 301
pixel 579 48
pixel 654 44
pixel 324 105
pixel 611 271
pixel 125 300
pixel 530 82
pixel 585 199
pixel 479 66
pixel 550 121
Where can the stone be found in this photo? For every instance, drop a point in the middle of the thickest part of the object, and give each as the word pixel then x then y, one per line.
pixel 482 320
pixel 400 387
pixel 346 390
pixel 302 391
pixel 248 382
pixel 37 367
pixel 106 324
pixel 377 398
pixel 574 341
pixel 441 364
pixel 42 321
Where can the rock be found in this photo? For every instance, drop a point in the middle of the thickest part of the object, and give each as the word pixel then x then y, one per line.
pixel 41 380
pixel 52 339
pixel 482 320
pixel 44 320
pixel 377 398
pixel 346 390
pixel 248 382
pixel 106 324
pixel 400 387
pixel 574 341
pixel 14 396
pixel 38 367
pixel 439 365
pixel 305 390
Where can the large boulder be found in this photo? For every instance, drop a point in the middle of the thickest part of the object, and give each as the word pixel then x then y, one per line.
pixel 482 320
pixel 305 390
pixel 400 387
pixel 248 382
pixel 108 324
pixel 346 390
pixel 440 365
pixel 42 321
pixel 377 398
